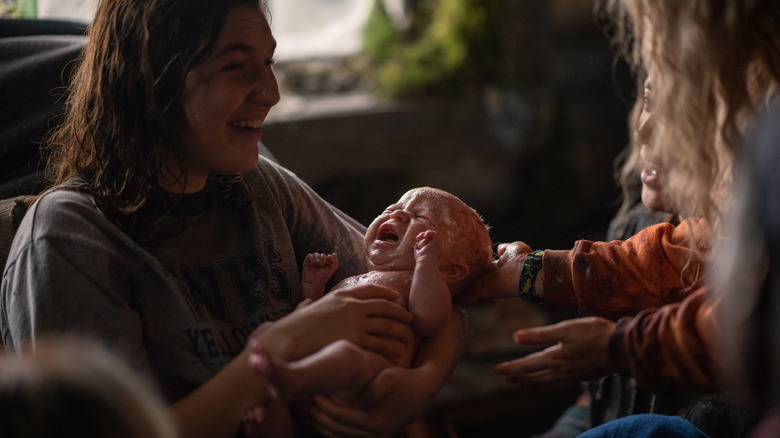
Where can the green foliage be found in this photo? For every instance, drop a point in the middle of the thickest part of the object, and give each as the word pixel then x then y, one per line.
pixel 9 9
pixel 380 36
pixel 434 55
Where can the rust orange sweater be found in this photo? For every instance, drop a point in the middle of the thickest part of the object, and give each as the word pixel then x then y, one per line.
pixel 619 278
pixel 669 349
pixel 656 276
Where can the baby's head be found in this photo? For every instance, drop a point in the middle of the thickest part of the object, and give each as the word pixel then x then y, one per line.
pixel 467 248
pixel 468 239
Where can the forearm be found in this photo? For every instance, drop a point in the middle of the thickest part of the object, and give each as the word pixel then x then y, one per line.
pixel 669 350
pixel 397 396
pixel 438 356
pixel 429 298
pixel 215 409
pixel 653 268
pixel 434 362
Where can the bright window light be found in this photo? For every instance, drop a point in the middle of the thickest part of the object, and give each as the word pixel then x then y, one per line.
pixel 304 29
pixel 318 28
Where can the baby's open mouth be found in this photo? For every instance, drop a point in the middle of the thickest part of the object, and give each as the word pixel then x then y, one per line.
pixel 387 233
pixel 388 236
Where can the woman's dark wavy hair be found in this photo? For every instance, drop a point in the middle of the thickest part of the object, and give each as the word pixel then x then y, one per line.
pixel 124 114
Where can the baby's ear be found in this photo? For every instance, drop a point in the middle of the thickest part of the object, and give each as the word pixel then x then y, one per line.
pixel 455 271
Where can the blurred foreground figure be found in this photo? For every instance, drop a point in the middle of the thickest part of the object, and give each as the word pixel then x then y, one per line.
pixel 69 388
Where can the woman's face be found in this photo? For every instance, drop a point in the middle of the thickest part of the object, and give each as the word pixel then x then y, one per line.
pixel 653 178
pixel 227 98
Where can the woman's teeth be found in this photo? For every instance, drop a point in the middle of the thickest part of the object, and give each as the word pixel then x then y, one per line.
pixel 248 124
pixel 651 168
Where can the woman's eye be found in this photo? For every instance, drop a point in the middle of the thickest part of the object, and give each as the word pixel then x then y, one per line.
pixel 270 62
pixel 234 66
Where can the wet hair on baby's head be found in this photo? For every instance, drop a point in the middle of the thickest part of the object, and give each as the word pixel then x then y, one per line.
pixel 468 237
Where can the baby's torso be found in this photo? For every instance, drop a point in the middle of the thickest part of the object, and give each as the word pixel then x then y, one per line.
pixel 399 281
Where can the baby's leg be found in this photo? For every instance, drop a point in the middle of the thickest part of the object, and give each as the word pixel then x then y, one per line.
pixel 317 270
pixel 340 368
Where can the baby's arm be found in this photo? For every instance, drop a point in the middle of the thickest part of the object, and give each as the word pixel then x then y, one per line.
pixel 429 298
pixel 317 270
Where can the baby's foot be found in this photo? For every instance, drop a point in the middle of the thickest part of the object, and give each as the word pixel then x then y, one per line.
pixel 428 244
pixel 255 415
pixel 272 420
pixel 276 371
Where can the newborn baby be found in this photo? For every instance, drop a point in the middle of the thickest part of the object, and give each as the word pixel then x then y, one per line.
pixel 429 246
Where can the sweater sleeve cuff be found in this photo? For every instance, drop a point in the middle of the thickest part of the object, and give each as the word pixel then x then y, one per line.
pixel 557 285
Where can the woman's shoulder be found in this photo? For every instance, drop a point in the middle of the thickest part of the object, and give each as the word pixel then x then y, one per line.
pixel 64 217
pixel 62 200
pixel 270 170
pixel 62 210
pixel 269 178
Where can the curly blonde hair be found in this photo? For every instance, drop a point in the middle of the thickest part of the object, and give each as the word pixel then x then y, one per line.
pixel 718 64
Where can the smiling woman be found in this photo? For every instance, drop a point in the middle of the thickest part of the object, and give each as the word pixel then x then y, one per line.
pixel 226 99
pixel 166 238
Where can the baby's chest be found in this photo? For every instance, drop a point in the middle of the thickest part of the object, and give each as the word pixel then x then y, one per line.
pixel 399 281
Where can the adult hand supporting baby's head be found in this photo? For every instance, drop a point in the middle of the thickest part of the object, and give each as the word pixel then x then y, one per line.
pixel 502 279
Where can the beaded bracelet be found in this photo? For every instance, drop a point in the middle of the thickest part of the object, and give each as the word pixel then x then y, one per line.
pixel 533 262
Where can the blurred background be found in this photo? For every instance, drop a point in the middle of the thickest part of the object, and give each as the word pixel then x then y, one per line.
pixel 519 107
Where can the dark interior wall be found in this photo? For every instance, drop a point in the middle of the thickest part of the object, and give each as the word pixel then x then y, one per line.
pixel 534 158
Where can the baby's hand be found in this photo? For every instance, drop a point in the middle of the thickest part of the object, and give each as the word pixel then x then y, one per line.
pixel 318 260
pixel 317 270
pixel 428 244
